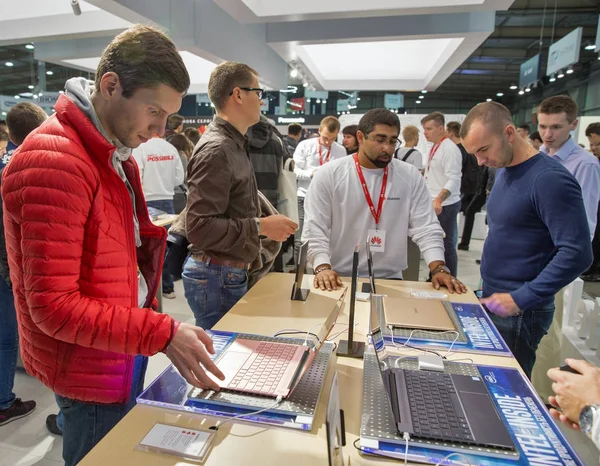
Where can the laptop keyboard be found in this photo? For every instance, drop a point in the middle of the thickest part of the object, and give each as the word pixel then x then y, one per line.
pixel 433 413
pixel 265 372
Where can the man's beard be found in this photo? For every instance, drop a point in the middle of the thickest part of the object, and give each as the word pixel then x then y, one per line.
pixel 380 163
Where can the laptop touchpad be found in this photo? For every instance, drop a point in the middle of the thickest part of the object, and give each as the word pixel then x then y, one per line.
pixel 483 418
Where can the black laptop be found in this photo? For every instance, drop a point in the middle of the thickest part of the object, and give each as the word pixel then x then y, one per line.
pixel 433 405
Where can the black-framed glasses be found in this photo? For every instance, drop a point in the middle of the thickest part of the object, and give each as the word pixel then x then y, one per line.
pixel 258 90
pixel 392 142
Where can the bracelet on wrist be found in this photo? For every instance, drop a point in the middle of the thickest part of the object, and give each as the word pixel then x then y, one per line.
pixel 322 268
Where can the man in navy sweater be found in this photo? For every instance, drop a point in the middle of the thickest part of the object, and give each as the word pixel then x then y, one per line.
pixel 538 239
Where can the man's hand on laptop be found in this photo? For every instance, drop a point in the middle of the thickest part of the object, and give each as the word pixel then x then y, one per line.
pixel 453 284
pixel 327 279
pixel 188 353
pixel 277 227
pixel 501 304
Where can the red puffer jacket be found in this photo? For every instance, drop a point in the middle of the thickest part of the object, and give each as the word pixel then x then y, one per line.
pixel 71 248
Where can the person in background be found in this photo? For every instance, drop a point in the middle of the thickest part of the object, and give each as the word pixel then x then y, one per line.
pixel 593 273
pixel 267 155
pixel 84 281
pixel 536 140
pixel 3 126
pixel 185 148
pixel 380 197
pixel 470 179
pixel 310 155
pixel 576 402
pixel 293 137
pixel 174 125
pixel 523 131
pixel 223 221
pixel 442 177
pixel 161 171
pixel 349 142
pixel 408 152
pixel 21 120
pixel 4 140
pixel 557 117
pixel 592 132
pixel 538 231
pixel 193 135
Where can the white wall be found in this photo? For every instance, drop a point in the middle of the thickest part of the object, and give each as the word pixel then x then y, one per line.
pixel 405 120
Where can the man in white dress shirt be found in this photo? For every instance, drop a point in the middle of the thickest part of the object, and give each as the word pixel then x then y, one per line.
pixel 372 196
pixel 443 173
pixel 309 156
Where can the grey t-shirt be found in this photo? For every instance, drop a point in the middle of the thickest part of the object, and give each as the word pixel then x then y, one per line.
pixel 415 158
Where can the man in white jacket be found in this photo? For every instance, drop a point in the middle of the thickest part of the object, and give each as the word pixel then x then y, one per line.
pixel 372 196
pixel 161 171
pixel 310 155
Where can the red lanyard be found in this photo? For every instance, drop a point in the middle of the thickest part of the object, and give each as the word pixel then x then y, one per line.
pixel 376 213
pixel 434 149
pixel 321 155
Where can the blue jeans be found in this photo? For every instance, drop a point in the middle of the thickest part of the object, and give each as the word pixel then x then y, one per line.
pixel 9 345
pixel 524 332
pixel 85 424
pixel 211 290
pixel 167 207
pixel 450 226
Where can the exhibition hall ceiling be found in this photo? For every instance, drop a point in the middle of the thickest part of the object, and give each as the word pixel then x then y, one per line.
pixel 460 48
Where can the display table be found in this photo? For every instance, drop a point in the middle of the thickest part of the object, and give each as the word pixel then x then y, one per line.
pixel 266 309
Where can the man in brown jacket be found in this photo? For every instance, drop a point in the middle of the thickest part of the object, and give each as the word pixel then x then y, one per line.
pixel 224 221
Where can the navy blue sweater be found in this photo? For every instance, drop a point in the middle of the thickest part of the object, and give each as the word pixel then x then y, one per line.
pixel 539 239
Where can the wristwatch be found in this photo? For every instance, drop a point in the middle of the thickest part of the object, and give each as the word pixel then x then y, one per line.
pixel 257 220
pixel 440 268
pixel 586 418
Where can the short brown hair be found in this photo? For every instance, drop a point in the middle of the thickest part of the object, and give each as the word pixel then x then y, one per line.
pixel 294 129
pixel 560 104
pixel 351 130
pixel 410 133
pixel 225 78
pixel 4 135
pixel 181 143
pixel 437 117
pixel 593 128
pixel 143 57
pixel 490 114
pixel 331 123
pixel 22 119
pixel 192 134
pixel 174 121
pixel 454 128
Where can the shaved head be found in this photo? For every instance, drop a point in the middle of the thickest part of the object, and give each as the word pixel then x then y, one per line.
pixel 491 114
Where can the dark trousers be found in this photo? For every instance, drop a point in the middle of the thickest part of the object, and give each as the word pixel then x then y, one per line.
pixel 449 224
pixel 595 267
pixel 85 424
pixel 524 332
pixel 474 206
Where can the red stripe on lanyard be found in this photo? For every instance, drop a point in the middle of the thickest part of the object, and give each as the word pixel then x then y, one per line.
pixel 376 213
pixel 321 155
pixel 434 149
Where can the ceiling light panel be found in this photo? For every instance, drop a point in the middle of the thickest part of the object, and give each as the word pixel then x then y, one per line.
pixel 280 8
pixel 387 59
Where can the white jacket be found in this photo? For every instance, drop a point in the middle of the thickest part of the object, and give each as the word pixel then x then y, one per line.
pixel 337 218
pixel 306 160
pixel 444 171
pixel 160 169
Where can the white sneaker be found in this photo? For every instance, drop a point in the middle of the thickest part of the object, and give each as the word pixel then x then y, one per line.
pixel 170 295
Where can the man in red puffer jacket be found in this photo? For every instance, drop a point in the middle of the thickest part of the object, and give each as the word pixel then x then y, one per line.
pixel 84 258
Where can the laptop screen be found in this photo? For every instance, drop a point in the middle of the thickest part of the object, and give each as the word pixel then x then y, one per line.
pixel 331 319
pixel 377 327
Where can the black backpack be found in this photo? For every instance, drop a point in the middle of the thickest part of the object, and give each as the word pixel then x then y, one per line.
pixel 471 173
pixel 406 156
